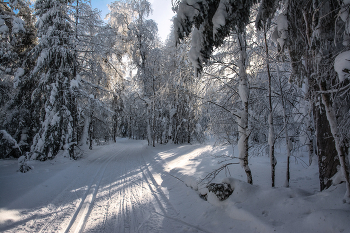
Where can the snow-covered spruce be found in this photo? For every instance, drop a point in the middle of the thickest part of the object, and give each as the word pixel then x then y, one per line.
pixel 22 164
pixel 7 144
pixel 221 190
pixel 54 72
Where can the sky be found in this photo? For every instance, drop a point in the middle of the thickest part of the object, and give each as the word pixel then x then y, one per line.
pixel 162 14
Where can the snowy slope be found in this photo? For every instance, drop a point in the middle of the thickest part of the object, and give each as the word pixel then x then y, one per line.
pixel 130 187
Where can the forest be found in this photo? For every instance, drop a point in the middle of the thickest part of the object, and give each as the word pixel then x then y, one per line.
pixel 250 73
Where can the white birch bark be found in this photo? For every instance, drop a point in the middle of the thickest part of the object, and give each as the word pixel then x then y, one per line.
pixel 85 135
pixel 243 120
pixel 285 125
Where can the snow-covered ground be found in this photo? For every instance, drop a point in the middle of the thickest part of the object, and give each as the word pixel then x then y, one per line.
pixel 130 187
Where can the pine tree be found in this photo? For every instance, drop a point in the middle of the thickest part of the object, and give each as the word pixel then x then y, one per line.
pixel 54 72
pixel 16 45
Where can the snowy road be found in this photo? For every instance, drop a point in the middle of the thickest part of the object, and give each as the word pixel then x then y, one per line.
pixel 130 187
pixel 112 191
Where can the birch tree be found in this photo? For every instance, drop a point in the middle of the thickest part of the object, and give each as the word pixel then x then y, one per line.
pixel 213 21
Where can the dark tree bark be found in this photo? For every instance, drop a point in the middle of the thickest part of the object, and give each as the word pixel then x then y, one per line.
pixel 326 151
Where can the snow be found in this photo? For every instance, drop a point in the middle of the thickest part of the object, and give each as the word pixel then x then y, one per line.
pixel 7 137
pixel 219 16
pixel 41 60
pixel 338 177
pixel 196 45
pixel 74 84
pixel 21 159
pixel 243 91
pixel 130 187
pixel 274 35
pixel 282 24
pixel 198 128
pixel 55 119
pixel 53 93
pixel 84 137
pixel 17 25
pixel 3 28
pixel 191 182
pixel 18 74
pixel 342 65
pixel 344 15
pixel 282 28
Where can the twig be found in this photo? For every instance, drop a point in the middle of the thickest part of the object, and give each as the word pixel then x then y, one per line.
pixel 211 176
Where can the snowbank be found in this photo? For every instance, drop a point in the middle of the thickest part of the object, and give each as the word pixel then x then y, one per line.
pixel 342 65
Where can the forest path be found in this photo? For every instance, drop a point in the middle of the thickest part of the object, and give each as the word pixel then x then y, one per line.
pixel 130 187
pixel 113 190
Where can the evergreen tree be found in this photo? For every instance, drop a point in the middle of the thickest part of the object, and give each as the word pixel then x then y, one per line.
pixel 54 71
pixel 18 39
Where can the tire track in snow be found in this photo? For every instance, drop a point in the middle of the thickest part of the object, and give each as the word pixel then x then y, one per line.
pixel 81 214
pixel 123 197
pixel 58 211
pixel 38 219
pixel 64 214
pixel 103 206
pixel 109 208
pixel 141 213
pixel 130 200
pixel 134 216
pixel 137 202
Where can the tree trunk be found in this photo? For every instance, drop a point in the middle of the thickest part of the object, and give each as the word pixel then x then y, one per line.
pixel 341 150
pixel 85 135
pixel 310 129
pixel 243 121
pixel 271 139
pixel 90 131
pixel 74 126
pixel 115 129
pixel 326 151
pixel 149 133
pixel 285 125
